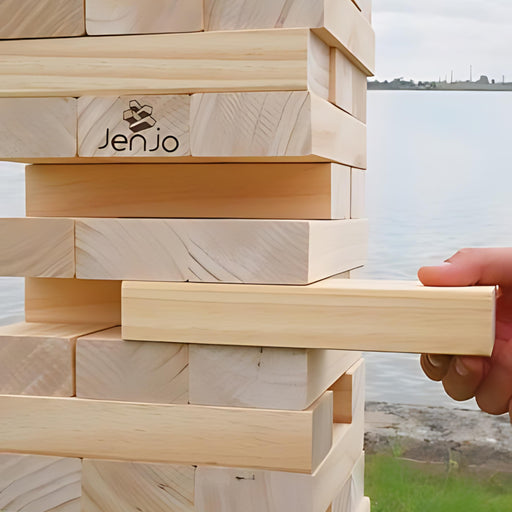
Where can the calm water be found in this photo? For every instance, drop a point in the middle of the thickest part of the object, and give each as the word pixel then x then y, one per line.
pixel 439 179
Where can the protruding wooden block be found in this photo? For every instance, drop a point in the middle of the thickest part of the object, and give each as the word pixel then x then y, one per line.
pixel 235 190
pixel 349 392
pixel 358 194
pixel 23 19
pixel 246 251
pixel 275 124
pixel 365 505
pixel 72 301
pixel 108 368
pixel 296 441
pixel 134 126
pixel 347 314
pixel 352 494
pixel 39 484
pixel 37 247
pixel 148 17
pixel 132 486
pixel 37 127
pixel 269 378
pixel 39 359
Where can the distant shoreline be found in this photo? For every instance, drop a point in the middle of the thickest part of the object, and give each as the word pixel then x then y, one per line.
pixel 404 85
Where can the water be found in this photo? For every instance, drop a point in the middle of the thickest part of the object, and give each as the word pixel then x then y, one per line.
pixel 438 180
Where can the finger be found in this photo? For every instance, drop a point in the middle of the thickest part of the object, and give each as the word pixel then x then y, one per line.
pixel 435 366
pixel 464 377
pixel 510 410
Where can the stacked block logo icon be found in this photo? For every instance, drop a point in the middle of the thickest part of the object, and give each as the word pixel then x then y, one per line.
pixel 139 117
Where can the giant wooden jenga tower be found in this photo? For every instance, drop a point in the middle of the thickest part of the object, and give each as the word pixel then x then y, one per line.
pixel 181 172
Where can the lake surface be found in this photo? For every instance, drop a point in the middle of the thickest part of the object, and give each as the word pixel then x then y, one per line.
pixel 439 179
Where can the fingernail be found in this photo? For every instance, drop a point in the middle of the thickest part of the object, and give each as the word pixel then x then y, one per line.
pixel 435 361
pixel 460 368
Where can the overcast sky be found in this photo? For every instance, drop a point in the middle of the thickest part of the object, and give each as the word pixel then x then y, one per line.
pixel 427 39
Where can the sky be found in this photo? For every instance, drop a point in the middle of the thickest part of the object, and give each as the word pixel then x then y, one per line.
pixel 428 39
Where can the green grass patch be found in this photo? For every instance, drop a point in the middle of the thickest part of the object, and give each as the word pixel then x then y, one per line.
pixel 398 485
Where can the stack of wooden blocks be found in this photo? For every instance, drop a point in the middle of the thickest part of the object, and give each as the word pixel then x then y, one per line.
pixel 162 162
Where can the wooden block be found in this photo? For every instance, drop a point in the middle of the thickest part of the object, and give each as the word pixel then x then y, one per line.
pixel 294 441
pixel 349 392
pixel 365 505
pixel 358 194
pixel 275 124
pixel 352 494
pixel 37 127
pixel 250 251
pixel 134 126
pixel 72 301
pixel 392 316
pixel 150 17
pixel 251 60
pixel 273 191
pixel 39 359
pixel 41 18
pixel 339 22
pixel 365 6
pixel 132 486
pixel 269 378
pixel 108 368
pixel 348 85
pixel 39 484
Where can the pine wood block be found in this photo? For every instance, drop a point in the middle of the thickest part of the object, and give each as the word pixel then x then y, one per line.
pixel 235 190
pixel 251 60
pixel 349 392
pixel 269 378
pixel 39 484
pixel 72 301
pixel 358 194
pixel 134 126
pixel 109 486
pixel 339 22
pixel 275 124
pixel 365 505
pixel 348 86
pixel 294 441
pixel 41 18
pixel 39 359
pixel 352 494
pixel 149 17
pixel 365 6
pixel 350 314
pixel 36 127
pixel 37 247
pixel 108 368
pixel 250 251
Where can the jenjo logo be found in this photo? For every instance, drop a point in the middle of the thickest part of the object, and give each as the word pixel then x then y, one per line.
pixel 140 118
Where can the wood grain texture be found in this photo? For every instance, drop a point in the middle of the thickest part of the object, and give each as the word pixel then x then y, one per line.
pixel 269 378
pixel 39 359
pixel 177 434
pixel 349 393
pixel 37 127
pixel 250 251
pixel 150 17
pixel 341 314
pixel 23 19
pixel 352 494
pixel 108 368
pixel 37 247
pixel 109 486
pixel 110 126
pixel 275 124
pixel 72 301
pixel 260 60
pixel 358 194
pixel 39 484
pixel 273 191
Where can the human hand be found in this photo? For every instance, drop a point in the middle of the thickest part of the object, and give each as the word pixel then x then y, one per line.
pixel 464 377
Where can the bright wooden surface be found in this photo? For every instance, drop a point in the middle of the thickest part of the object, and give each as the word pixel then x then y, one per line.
pixel 41 18
pixel 148 17
pixel 109 486
pixel 37 247
pixel 263 60
pixel 350 498
pixel 36 127
pixel 275 124
pixel 349 392
pixel 358 194
pixel 365 6
pixel 39 484
pixel 108 368
pixel 39 359
pixel 72 301
pixel 273 191
pixel 179 434
pixel 269 378
pixel 348 314
pixel 211 250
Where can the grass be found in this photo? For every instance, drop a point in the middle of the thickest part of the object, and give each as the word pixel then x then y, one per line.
pixel 398 485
